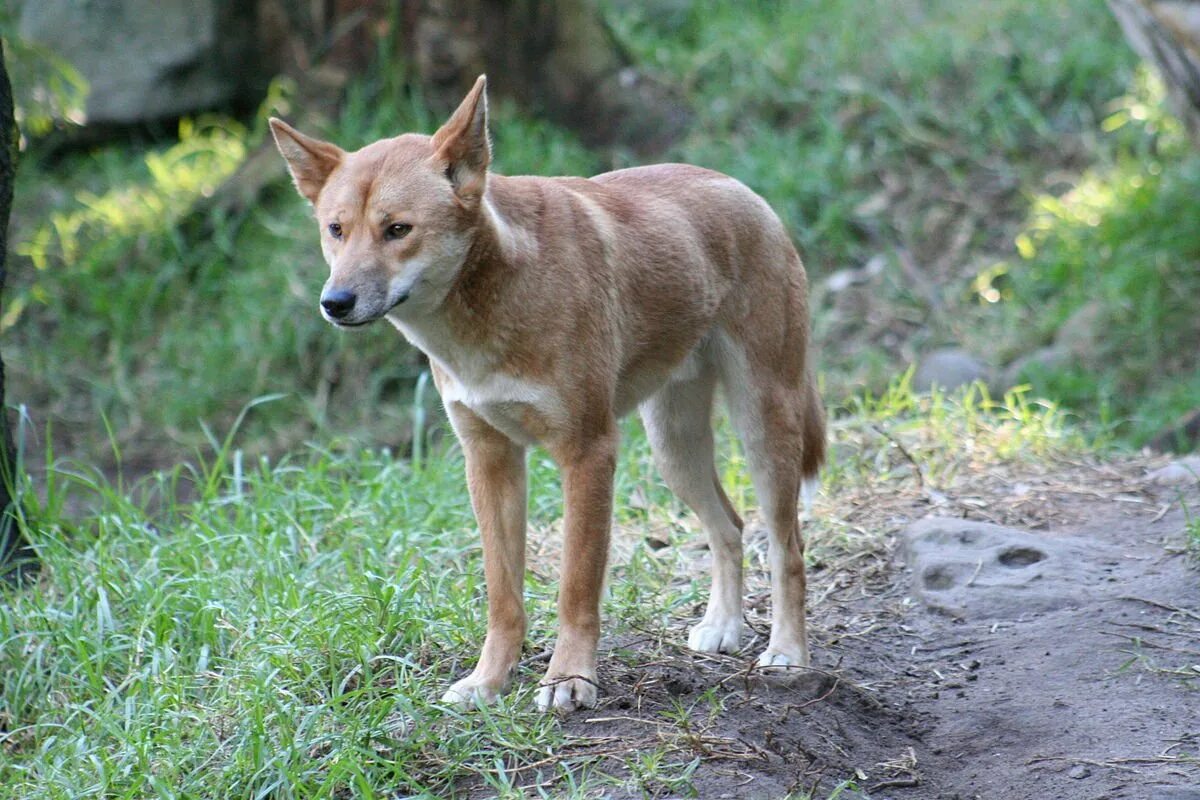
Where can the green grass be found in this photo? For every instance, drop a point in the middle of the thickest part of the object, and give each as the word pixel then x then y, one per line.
pixel 856 91
pixel 287 633
pixel 1114 244
pixel 1191 531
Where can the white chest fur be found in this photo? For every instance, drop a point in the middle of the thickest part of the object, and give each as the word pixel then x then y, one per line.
pixel 510 404
pixel 475 380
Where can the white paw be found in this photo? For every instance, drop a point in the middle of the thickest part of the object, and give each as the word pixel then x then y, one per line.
pixel 721 636
pixel 775 659
pixel 470 692
pixel 566 694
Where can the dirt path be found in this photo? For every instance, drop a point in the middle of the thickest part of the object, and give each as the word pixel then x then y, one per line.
pixel 981 662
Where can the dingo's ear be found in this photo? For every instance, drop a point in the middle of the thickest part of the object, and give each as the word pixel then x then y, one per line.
pixel 462 144
pixel 309 160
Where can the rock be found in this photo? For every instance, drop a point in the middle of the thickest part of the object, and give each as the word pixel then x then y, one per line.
pixel 1080 334
pixel 948 368
pixel 1046 359
pixel 146 61
pixel 983 571
pixel 1078 771
pixel 1176 793
pixel 1077 341
pixel 1183 472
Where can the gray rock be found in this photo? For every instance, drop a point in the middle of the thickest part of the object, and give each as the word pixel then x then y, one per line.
pixel 977 570
pixel 949 368
pixel 1183 472
pixel 1081 333
pixel 149 59
pixel 1049 358
pixel 1077 341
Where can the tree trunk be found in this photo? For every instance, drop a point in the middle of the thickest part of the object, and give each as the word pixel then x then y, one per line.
pixel 1167 34
pixel 15 553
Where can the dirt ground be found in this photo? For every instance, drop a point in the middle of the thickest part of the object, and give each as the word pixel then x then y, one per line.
pixel 1077 678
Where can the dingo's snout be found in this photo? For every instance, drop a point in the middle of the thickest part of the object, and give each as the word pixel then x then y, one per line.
pixel 338 303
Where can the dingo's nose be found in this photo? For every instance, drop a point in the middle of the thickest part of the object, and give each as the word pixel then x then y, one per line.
pixel 338 302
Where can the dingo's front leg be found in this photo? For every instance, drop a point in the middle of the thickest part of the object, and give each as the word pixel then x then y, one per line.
pixel 496 479
pixel 587 469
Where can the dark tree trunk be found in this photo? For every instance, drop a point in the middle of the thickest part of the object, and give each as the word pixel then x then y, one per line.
pixel 15 553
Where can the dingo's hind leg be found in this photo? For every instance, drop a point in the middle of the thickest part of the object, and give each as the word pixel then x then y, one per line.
pixel 678 420
pixel 783 442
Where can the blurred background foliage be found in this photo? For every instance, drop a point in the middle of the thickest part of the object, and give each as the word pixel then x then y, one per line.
pixel 1000 178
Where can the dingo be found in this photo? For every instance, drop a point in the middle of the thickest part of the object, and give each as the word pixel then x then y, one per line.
pixel 550 307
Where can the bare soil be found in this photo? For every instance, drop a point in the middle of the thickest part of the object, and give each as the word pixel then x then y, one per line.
pixel 1096 695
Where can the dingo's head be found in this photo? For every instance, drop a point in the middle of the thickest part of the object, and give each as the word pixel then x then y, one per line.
pixel 396 217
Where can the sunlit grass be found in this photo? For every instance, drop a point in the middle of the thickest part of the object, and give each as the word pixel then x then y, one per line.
pixel 1113 243
pixel 208 151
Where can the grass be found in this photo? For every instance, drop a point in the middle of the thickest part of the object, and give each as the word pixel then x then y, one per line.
pixel 1111 247
pixel 287 633
pixel 1191 531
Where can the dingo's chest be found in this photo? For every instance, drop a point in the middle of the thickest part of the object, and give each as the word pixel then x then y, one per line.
pixel 521 409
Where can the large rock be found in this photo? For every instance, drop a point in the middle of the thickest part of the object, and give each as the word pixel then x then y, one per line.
pixel 976 570
pixel 948 368
pixel 152 59
pixel 1076 342
pixel 1184 472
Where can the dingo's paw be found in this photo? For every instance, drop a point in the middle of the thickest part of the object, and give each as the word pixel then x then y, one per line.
pixel 566 693
pixel 471 692
pixel 777 659
pixel 720 636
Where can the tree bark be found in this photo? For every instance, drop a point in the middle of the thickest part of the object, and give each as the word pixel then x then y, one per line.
pixel 1167 34
pixel 15 553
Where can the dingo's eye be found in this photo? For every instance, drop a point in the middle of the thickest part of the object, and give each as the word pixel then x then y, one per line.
pixel 397 230
pixel 335 230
